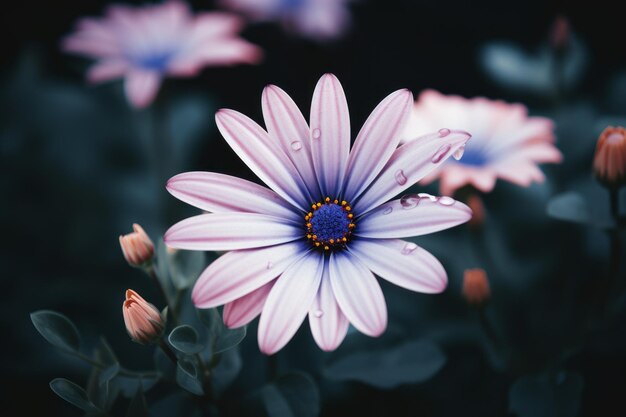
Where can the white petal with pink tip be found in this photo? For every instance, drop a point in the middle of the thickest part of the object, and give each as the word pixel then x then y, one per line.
pixel 402 263
pixel 413 215
pixel 329 325
pixel 243 310
pixel 230 231
pixel 238 273
pixel 358 294
pixel 289 301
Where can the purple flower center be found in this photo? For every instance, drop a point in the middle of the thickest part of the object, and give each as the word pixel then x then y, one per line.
pixel 330 224
pixel 156 61
pixel 474 157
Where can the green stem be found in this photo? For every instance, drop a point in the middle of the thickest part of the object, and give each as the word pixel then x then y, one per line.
pixel 151 271
pixel 615 246
pixel 168 351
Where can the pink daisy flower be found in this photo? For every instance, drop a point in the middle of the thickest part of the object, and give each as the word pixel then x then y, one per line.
pixel 312 243
pixel 316 19
pixel 506 142
pixel 145 44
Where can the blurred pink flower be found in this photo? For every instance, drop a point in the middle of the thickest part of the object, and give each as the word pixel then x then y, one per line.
pixel 145 44
pixel 316 19
pixel 312 243
pixel 506 142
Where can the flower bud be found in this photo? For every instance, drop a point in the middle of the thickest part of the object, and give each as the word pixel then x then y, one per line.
pixel 476 287
pixel 609 162
pixel 475 203
pixel 560 32
pixel 137 247
pixel 143 321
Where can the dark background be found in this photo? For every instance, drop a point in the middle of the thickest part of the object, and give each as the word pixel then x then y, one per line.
pixel 73 176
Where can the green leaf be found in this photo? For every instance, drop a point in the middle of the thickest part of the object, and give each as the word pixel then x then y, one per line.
pixel 57 329
pixel 408 363
pixel 73 394
pixel 164 365
pixel 547 395
pixel 220 337
pixel 226 371
pixel 188 377
pixel 138 406
pixel 185 267
pixel 128 385
pixel 184 338
pixel 570 206
pixel 107 375
pixel 292 395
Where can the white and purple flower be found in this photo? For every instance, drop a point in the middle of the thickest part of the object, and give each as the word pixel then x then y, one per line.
pixel 145 44
pixel 312 242
pixel 316 19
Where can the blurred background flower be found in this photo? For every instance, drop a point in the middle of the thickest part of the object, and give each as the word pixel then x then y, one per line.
pixel 506 143
pixel 145 44
pixel 321 20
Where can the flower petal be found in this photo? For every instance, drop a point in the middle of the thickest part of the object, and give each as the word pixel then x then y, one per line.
pixel 358 294
pixel 401 263
pixel 243 310
pixel 106 70
pixel 141 86
pixel 287 126
pixel 222 193
pixel 289 301
pixel 412 215
pixel 409 164
pixel 217 52
pixel 329 325
pixel 238 273
pixel 264 157
pixel 330 134
pixel 230 231
pixel 376 142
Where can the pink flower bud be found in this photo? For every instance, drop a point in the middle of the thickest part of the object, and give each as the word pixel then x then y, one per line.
pixel 609 162
pixel 137 247
pixel 476 286
pixel 143 321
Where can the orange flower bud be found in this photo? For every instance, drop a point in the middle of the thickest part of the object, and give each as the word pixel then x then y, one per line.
pixel 137 247
pixel 478 210
pixel 609 162
pixel 143 321
pixel 476 286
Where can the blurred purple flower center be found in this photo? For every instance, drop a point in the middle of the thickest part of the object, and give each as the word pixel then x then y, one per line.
pixel 154 61
pixel 474 156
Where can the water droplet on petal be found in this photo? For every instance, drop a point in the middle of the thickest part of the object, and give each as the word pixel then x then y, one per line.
pixel 316 133
pixel 444 132
pixel 458 154
pixel 400 177
pixel 428 196
pixel 409 201
pixel 441 153
pixel 269 265
pixel 387 210
pixel 296 145
pixel 446 201
pixel 318 313
pixel 409 248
